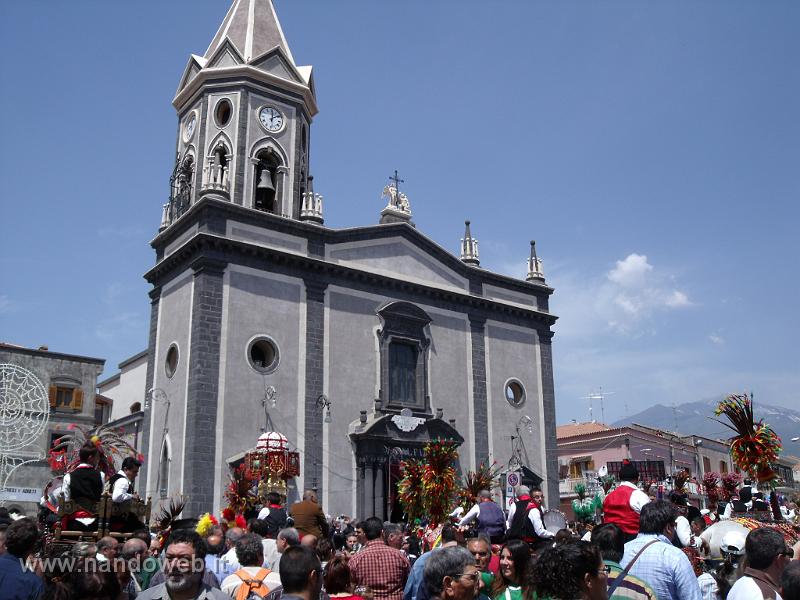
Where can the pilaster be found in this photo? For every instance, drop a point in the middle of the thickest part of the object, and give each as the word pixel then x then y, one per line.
pixel 549 402
pixel 480 431
pixel 203 389
pixel 149 382
pixel 315 344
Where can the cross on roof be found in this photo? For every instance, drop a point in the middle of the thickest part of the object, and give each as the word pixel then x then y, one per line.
pixel 396 181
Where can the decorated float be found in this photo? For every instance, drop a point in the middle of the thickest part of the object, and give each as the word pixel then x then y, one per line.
pixel 266 468
pixel 754 450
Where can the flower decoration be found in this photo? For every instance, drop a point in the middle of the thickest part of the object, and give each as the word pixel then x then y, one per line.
pixel 205 524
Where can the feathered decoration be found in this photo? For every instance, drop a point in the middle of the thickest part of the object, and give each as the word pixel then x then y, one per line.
pixel 428 486
pixel 63 456
pixel 228 515
pixel 242 489
pixel 439 480
pixel 483 478
pixel 205 524
pixel 583 507
pixel 680 478
pixel 410 489
pixel 240 521
pixel 730 483
pixel 711 481
pixel 169 513
pixel 756 446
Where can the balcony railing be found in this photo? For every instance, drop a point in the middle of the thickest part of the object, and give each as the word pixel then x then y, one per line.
pixel 566 487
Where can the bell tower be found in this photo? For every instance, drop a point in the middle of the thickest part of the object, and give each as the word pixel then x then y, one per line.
pixel 244 121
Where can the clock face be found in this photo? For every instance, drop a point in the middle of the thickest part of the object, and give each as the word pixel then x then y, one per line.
pixel 188 129
pixel 271 118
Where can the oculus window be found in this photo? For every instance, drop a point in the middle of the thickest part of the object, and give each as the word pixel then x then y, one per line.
pixel 263 355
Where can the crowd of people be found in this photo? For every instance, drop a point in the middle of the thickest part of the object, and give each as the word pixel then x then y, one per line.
pixel 487 554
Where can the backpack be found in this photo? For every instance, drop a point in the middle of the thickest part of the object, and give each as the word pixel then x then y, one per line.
pixel 254 588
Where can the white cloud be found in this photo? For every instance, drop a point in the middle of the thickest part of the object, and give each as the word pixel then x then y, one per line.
pixel 627 299
pixel 677 299
pixel 631 272
pixel 717 339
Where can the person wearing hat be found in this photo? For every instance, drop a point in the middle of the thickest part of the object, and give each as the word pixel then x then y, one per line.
pixel 623 505
pixel 683 530
pixel 726 573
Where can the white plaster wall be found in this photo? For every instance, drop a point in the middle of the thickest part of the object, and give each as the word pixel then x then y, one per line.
pixel 127 389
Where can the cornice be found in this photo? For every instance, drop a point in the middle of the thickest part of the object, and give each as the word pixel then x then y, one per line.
pixel 247 71
pixel 207 246
pixel 337 236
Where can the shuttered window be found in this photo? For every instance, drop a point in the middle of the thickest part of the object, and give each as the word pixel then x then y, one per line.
pixel 66 398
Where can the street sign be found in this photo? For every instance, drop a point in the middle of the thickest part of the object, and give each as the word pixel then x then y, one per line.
pixel 20 494
pixel 513 479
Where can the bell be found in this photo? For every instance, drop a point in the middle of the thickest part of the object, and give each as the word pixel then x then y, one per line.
pixel 265 180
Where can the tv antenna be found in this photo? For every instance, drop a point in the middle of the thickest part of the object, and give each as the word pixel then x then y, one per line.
pixel 598 395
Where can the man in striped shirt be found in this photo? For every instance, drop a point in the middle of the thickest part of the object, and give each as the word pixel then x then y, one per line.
pixel 609 539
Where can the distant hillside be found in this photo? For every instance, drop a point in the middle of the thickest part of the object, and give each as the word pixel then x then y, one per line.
pixel 692 418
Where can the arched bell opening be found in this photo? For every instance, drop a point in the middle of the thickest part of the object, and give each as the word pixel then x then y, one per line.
pixel 216 174
pixel 268 184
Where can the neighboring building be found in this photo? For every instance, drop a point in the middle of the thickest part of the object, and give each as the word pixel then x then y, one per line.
pixel 583 448
pixel 359 344
pixel 126 388
pixel 70 383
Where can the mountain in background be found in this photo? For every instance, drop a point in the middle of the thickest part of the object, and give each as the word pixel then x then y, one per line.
pixel 693 418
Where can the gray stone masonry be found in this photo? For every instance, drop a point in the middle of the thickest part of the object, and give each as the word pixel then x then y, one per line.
pixel 315 349
pixel 477 324
pixel 549 404
pixel 201 410
pixel 155 299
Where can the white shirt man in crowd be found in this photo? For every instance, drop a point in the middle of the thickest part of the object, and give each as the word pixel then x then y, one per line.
pixel 250 554
pixel 533 503
pixel 767 556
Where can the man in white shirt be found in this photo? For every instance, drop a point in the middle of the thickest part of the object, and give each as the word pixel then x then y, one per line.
pixel 250 554
pixel 121 486
pixel 767 557
pixel 121 483
pixel 624 504
pixel 532 529
pixel 489 516
pixel 683 530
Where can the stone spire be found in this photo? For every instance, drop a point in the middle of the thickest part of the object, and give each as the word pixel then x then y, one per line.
pixel 253 28
pixel 535 272
pixel 469 248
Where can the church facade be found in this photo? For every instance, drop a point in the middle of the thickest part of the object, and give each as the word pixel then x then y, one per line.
pixel 358 344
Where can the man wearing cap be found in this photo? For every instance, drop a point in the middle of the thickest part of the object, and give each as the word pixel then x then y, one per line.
pixel 623 505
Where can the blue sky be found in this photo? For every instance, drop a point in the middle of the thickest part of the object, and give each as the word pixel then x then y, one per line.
pixel 651 149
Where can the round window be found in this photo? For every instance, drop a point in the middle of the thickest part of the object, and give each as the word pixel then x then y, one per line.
pixel 263 355
pixel 515 393
pixel 171 363
pixel 223 112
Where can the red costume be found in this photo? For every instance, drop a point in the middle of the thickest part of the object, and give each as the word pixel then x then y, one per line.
pixel 617 509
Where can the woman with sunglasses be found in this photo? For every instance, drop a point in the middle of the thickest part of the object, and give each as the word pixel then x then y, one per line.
pixel 568 571
pixel 511 583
